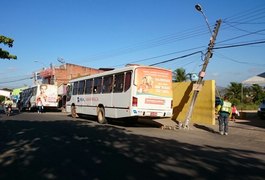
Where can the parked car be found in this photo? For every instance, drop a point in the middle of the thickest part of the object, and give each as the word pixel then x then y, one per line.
pixel 261 110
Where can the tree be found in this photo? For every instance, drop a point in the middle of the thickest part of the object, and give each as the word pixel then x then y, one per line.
pixel 5 54
pixel 180 75
pixel 257 93
pixel 233 92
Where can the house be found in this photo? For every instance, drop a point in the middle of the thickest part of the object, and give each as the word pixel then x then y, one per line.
pixel 60 76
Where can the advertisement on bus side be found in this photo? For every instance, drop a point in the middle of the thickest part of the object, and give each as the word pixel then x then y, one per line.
pixel 48 94
pixel 157 82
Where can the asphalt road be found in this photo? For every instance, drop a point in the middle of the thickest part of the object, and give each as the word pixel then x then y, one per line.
pixel 55 146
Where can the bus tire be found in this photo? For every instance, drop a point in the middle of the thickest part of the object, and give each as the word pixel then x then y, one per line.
pixel 101 115
pixel 73 111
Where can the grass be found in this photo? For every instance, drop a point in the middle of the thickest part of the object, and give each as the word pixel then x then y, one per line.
pixel 248 106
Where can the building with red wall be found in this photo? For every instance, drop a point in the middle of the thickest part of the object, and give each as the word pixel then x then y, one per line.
pixel 61 75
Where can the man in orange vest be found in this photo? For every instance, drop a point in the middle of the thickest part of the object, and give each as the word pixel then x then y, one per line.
pixel 224 110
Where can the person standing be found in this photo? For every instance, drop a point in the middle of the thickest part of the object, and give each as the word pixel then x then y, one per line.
pixel 8 105
pixel 234 113
pixel 39 105
pixel 224 110
pixel 19 105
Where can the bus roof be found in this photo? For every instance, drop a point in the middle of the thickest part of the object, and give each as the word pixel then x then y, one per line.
pixel 126 68
pixel 36 85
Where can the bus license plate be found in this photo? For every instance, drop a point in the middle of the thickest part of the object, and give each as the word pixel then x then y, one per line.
pixel 153 114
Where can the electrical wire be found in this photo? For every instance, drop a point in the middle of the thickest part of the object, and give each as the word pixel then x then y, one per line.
pixel 238 45
pixel 155 57
pixel 4 82
pixel 244 35
pixel 173 59
pixel 233 26
pixel 164 40
pixel 247 15
pixel 237 61
pixel 252 16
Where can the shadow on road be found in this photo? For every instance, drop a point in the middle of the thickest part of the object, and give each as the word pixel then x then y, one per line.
pixel 205 128
pixel 252 119
pixel 79 150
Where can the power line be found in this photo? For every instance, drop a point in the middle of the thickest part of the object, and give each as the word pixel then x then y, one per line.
pixel 241 29
pixel 237 61
pixel 250 15
pixel 237 37
pixel 154 57
pixel 243 23
pixel 238 45
pixel 222 47
pixel 4 82
pixel 150 44
pixel 173 59
pixel 247 15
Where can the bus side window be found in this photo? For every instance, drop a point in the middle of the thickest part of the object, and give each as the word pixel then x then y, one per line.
pixel 128 76
pixel 88 87
pixel 107 84
pixel 68 92
pixel 97 85
pixel 75 88
pixel 81 86
pixel 34 91
pixel 118 83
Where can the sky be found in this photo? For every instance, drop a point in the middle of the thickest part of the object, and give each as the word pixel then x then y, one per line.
pixel 104 34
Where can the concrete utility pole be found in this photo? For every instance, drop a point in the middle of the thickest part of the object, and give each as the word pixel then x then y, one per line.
pixel 197 86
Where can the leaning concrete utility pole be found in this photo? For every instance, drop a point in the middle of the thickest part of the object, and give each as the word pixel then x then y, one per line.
pixel 198 85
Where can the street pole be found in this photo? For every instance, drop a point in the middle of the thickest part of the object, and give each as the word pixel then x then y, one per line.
pixel 197 86
pixel 199 8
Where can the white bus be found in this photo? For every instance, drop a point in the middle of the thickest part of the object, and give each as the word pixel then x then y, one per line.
pixel 132 91
pixel 46 92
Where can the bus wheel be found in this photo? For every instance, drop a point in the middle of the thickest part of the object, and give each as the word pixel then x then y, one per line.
pixel 73 111
pixel 101 115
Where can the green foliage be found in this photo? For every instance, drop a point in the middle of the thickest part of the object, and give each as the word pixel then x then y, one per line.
pixel 235 101
pixel 251 96
pixel 234 90
pixel 257 93
pixel 6 41
pixel 247 106
pixel 5 54
pixel 180 75
pixel 2 99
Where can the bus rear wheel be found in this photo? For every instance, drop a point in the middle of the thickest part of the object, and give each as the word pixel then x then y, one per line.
pixel 101 115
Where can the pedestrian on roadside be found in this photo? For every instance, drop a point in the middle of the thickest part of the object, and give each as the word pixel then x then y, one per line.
pixel 8 105
pixel 224 110
pixel 19 105
pixel 234 113
pixel 39 105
